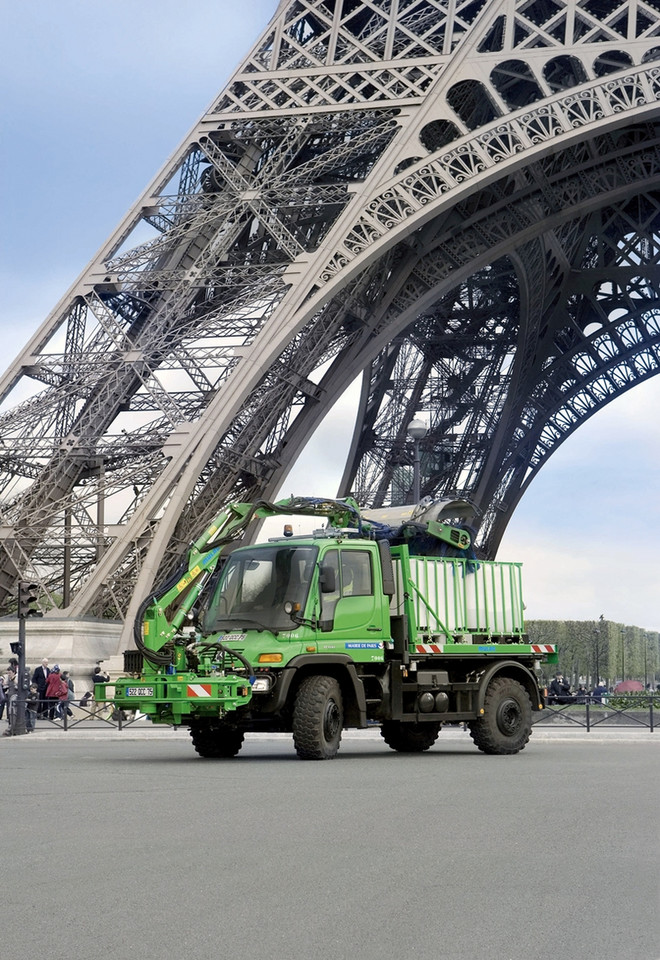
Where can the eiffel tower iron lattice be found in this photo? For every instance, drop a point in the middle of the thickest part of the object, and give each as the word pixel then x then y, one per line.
pixel 458 200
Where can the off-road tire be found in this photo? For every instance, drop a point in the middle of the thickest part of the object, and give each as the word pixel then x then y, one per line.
pixel 506 725
pixel 318 718
pixel 215 740
pixel 409 737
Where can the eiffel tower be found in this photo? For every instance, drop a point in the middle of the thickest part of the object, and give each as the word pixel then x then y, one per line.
pixel 457 200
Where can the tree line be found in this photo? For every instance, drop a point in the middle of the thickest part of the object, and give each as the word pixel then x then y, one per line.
pixel 590 650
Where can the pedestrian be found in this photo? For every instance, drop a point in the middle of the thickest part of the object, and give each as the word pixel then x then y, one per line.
pixel 581 694
pixel 31 707
pixel 11 681
pixel 560 690
pixel 40 678
pixel 555 689
pixel 70 695
pixel 56 690
pixel 3 695
pixel 98 677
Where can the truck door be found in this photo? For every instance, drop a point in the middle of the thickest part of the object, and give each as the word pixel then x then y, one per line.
pixel 353 610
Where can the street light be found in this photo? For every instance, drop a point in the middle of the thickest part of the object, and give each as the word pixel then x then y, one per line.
pixel 417 430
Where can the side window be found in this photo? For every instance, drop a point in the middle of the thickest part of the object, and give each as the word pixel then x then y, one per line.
pixel 356 578
pixel 329 600
pixel 353 577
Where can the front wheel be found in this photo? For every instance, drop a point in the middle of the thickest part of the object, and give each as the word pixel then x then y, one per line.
pixel 318 718
pixel 506 724
pixel 215 739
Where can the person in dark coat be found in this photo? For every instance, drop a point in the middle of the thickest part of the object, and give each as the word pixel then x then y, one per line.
pixel 11 683
pixel 31 705
pixel 560 690
pixel 40 679
pixel 98 677
pixel 554 690
pixel 71 695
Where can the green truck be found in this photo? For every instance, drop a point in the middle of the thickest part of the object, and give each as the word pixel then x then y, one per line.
pixel 376 618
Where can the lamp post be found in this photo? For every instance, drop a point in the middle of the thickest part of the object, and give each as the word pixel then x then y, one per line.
pixel 417 430
pixel 596 665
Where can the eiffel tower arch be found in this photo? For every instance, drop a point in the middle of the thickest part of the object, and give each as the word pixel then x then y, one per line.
pixel 456 200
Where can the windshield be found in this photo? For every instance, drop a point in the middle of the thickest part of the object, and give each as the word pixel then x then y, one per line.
pixel 255 584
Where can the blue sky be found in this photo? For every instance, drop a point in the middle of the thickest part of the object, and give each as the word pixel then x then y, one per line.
pixel 96 96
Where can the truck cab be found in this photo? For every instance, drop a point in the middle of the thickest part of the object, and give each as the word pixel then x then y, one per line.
pixel 309 594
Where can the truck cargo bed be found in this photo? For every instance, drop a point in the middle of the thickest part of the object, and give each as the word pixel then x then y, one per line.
pixel 460 597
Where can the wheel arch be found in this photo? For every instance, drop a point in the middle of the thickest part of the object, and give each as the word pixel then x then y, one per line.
pixel 342 669
pixel 515 671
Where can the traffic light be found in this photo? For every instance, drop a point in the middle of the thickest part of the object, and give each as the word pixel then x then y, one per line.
pixel 27 597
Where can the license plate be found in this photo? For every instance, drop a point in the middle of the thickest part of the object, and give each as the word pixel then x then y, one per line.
pixel 139 691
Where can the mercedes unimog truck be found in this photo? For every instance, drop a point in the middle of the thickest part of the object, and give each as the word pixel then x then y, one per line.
pixel 383 618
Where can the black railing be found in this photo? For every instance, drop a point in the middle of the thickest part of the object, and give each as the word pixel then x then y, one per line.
pixel 629 710
pixel 67 714
pixel 616 711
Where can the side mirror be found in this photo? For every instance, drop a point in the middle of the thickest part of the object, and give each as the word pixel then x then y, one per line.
pixel 387 568
pixel 327 580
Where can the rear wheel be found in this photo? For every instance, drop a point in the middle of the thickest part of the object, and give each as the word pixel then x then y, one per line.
pixel 318 718
pixel 409 737
pixel 506 724
pixel 215 739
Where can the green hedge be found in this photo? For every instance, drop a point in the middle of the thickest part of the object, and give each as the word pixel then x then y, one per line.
pixel 632 701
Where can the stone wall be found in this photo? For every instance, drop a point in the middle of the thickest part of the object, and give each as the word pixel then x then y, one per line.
pixel 76 645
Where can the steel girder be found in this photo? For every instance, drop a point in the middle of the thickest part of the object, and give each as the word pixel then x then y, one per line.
pixel 458 198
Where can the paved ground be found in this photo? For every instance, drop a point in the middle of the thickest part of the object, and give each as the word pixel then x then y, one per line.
pixel 126 844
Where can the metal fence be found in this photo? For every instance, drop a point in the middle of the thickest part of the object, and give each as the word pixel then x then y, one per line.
pixel 627 711
pixel 67 714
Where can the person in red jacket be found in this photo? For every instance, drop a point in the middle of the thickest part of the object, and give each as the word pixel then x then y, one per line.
pixel 56 690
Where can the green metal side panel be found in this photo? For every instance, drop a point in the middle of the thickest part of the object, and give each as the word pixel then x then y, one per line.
pixel 452 597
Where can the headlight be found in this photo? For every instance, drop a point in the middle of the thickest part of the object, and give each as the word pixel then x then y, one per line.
pixel 262 685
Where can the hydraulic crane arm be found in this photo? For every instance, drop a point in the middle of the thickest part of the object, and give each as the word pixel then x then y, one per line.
pixel 163 614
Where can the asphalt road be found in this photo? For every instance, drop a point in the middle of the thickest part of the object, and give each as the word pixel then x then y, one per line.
pixel 123 847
